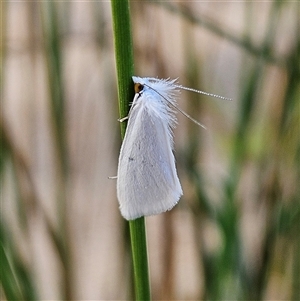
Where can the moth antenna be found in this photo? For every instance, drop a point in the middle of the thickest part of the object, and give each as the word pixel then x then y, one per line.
pixel 187 115
pixel 202 92
pixel 178 109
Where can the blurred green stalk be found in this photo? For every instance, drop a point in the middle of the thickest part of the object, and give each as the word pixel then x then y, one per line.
pixel 124 64
pixel 53 55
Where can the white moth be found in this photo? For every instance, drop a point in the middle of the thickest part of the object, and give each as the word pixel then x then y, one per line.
pixel 147 181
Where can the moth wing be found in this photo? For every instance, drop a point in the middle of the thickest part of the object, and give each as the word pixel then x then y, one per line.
pixel 147 181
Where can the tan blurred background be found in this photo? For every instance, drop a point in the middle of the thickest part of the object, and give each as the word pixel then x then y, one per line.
pixel 234 234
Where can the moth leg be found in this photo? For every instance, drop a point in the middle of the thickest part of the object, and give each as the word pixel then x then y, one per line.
pixel 132 104
pixel 123 119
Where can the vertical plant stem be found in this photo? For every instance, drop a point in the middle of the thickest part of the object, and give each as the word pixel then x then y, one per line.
pixel 140 258
pixel 124 65
pixel 53 54
pixel 124 56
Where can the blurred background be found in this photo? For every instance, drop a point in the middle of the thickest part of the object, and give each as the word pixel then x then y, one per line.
pixel 234 234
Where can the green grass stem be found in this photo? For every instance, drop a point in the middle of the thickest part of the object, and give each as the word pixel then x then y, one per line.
pixel 124 65
pixel 140 258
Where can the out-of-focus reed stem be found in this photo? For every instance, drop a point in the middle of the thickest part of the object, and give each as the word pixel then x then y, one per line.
pixel 52 44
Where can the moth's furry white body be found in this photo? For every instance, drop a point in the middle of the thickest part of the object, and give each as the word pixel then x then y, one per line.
pixel 147 181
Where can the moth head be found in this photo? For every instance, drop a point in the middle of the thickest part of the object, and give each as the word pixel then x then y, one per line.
pixel 138 87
